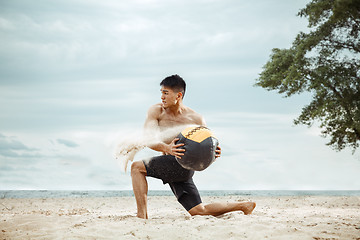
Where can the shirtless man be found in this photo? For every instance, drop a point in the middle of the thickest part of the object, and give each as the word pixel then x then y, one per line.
pixel 168 114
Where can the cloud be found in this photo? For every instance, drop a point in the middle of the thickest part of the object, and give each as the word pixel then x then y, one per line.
pixel 67 143
pixel 13 144
pixel 96 39
pixel 13 148
pixel 50 166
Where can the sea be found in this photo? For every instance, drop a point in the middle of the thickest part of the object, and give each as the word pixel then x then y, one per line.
pixel 128 193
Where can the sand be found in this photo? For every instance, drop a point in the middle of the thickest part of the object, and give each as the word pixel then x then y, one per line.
pixel 305 217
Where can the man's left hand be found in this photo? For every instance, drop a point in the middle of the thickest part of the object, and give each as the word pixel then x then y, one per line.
pixel 218 152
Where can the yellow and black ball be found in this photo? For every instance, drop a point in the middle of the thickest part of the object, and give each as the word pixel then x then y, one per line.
pixel 200 145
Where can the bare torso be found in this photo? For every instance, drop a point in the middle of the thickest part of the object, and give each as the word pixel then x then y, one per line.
pixel 170 123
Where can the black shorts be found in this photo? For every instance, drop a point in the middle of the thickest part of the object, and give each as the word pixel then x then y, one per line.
pixel 167 169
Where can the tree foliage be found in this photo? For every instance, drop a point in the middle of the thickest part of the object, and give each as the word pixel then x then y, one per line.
pixel 326 62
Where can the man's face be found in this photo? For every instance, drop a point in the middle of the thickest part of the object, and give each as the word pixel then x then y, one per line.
pixel 168 97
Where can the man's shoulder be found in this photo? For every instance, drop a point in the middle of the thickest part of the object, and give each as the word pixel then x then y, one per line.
pixel 157 106
pixel 197 117
pixel 155 110
pixel 192 111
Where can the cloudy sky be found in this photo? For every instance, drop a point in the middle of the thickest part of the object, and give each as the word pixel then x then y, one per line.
pixel 76 76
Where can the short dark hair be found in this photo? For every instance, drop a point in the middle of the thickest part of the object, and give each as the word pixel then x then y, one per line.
pixel 175 82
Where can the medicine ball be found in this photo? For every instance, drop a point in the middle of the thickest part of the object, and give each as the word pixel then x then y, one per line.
pixel 200 145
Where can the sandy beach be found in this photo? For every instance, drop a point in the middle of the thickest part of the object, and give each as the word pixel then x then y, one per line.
pixel 304 217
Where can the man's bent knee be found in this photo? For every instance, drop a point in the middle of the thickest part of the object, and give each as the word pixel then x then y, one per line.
pixel 197 210
pixel 138 167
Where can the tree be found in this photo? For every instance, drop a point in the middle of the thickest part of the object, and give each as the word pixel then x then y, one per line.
pixel 326 62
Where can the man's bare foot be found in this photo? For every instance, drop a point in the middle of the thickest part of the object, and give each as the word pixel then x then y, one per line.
pixel 248 207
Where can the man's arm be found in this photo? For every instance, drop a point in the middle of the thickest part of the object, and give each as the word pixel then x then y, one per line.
pixel 152 131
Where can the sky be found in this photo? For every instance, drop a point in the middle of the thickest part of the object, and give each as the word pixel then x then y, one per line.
pixel 77 76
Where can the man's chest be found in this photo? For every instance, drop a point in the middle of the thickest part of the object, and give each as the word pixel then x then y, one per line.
pixel 166 120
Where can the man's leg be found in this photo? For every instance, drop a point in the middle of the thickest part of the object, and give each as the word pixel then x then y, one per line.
pixel 216 209
pixel 140 188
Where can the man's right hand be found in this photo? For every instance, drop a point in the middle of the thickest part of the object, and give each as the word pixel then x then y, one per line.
pixel 173 149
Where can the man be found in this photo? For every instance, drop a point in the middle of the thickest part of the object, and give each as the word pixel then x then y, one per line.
pixel 170 113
